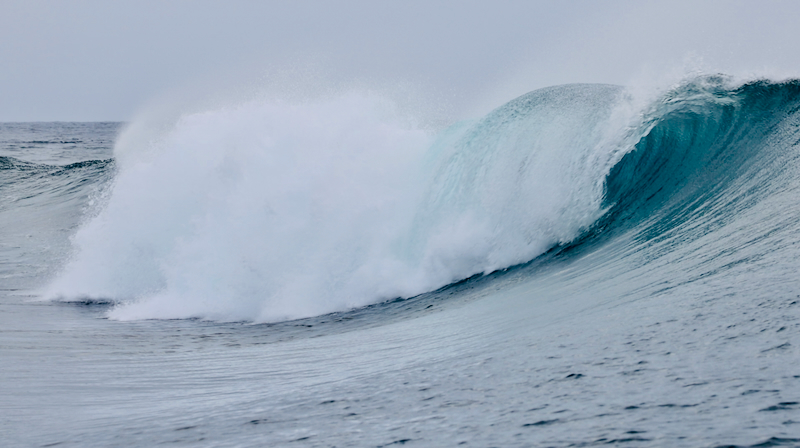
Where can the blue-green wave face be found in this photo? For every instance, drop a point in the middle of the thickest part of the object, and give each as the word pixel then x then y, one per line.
pixel 711 147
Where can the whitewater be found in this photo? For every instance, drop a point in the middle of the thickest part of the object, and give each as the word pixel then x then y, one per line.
pixel 584 265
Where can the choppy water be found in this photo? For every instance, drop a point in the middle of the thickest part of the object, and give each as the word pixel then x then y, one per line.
pixel 631 275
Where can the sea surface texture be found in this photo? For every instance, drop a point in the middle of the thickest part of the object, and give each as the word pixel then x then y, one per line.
pixel 583 266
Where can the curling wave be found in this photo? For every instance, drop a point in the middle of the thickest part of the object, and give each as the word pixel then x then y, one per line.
pixel 270 211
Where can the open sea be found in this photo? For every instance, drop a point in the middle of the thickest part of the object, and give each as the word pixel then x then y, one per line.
pixel 583 266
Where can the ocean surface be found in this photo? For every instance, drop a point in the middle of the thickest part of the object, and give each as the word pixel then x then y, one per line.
pixel 586 265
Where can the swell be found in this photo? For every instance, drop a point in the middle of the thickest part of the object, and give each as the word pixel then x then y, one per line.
pixel 40 205
pixel 12 163
pixel 35 184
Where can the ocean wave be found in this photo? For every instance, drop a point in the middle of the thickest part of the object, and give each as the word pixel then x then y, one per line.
pixel 270 211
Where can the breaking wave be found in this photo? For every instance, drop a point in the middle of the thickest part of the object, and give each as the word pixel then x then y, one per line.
pixel 272 210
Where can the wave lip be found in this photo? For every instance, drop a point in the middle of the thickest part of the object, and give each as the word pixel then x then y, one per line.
pixel 708 142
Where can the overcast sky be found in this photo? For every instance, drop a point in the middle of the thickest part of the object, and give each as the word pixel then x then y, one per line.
pixel 106 60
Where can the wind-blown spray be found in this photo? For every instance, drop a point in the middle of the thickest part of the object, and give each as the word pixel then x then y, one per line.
pixel 272 210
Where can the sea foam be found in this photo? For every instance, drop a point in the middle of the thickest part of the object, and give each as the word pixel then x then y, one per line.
pixel 273 210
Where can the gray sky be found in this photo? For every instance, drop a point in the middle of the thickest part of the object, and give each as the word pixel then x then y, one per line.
pixel 105 60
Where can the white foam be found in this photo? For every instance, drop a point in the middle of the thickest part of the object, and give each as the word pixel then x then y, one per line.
pixel 273 210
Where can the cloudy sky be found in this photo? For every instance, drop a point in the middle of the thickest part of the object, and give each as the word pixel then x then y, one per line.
pixel 90 60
